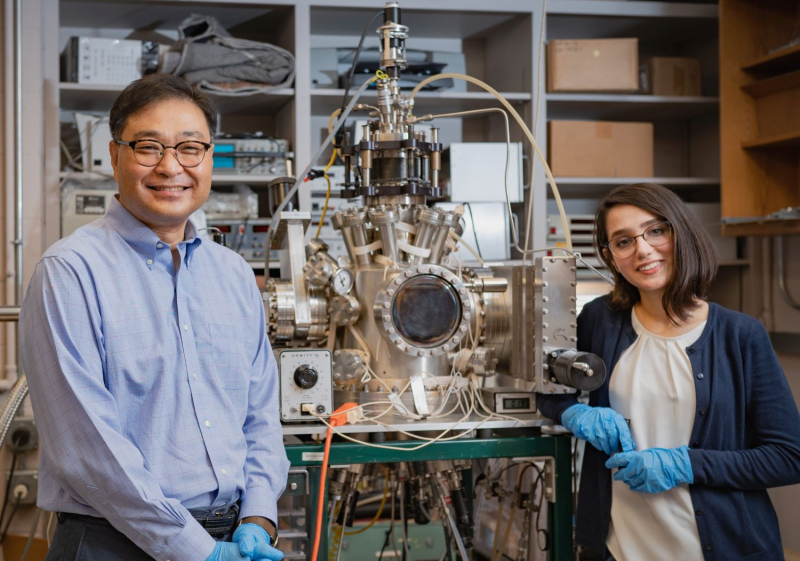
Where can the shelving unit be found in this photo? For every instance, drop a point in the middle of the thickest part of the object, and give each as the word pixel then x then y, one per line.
pixel 500 41
pixel 686 128
pixel 760 95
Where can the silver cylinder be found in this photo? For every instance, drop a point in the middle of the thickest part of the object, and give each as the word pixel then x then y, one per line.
pixel 428 222
pixel 356 220
pixel 436 159
pixel 338 224
pixel 384 218
pixel 450 220
pixel 489 284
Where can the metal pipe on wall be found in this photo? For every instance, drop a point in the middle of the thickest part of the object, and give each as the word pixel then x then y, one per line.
pixel 782 274
pixel 18 146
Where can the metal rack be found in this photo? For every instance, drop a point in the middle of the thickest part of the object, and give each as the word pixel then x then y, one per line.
pixel 559 513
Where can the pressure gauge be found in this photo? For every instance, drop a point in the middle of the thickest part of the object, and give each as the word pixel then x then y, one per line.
pixel 342 281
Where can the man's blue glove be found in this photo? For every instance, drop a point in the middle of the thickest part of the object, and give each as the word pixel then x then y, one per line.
pixel 226 551
pixel 653 470
pixel 254 542
pixel 602 427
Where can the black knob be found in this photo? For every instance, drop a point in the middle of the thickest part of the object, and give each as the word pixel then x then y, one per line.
pixel 305 377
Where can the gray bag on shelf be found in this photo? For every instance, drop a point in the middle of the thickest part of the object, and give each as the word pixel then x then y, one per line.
pixel 206 55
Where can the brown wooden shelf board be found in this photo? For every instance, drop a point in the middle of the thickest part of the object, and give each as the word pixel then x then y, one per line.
pixel 787 140
pixel 760 88
pixel 777 228
pixel 785 59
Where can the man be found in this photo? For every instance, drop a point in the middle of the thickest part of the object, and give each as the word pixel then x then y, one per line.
pixel 151 377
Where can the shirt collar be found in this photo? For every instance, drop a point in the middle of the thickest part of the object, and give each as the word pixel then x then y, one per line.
pixel 142 239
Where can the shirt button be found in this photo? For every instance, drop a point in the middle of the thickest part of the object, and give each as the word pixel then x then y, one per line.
pixel 159 246
pixel 700 376
pixel 208 423
pixel 699 512
pixel 691 349
pixel 185 327
pixel 149 261
pixel 708 547
pixel 702 411
pixel 224 472
pixel 195 375
pixel 695 444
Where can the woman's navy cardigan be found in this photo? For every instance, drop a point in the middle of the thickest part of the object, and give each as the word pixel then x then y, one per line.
pixel 745 439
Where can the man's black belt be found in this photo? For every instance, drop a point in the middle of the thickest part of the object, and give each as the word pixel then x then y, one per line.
pixel 218 523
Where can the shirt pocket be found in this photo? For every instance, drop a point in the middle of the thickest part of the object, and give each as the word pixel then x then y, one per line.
pixel 230 359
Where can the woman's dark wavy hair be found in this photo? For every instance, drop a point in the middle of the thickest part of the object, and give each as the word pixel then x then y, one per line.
pixel 155 88
pixel 695 260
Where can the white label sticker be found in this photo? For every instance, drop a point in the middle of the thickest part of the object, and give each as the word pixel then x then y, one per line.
pixel 313 456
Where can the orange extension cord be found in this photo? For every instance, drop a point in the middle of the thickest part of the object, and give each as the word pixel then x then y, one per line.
pixel 338 419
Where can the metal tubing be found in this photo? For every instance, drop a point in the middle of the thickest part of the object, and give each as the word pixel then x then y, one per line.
pixel 782 274
pixel 9 313
pixel 384 218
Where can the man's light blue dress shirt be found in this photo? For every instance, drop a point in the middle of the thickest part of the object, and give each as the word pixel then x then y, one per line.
pixel 154 392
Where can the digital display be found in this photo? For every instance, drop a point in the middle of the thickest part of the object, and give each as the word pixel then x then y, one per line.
pixel 516 403
pixel 224 229
pixel 257 228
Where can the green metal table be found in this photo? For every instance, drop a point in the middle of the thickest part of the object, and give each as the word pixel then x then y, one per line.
pixel 559 514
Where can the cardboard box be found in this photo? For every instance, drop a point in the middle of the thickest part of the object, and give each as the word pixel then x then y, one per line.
pixel 593 65
pixel 670 76
pixel 601 149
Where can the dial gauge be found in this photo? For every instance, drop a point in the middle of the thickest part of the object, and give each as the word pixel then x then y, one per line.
pixel 342 281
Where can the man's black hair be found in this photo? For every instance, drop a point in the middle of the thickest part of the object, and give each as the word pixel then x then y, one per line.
pixel 155 88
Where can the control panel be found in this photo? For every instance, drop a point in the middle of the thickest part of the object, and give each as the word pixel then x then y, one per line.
pixel 248 238
pixel 306 384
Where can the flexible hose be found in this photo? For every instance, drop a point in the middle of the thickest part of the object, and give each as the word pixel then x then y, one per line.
pixel 15 398
pixel 525 129
pixel 377 514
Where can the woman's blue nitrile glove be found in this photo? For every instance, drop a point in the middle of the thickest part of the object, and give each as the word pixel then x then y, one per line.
pixel 653 470
pixel 254 542
pixel 602 427
pixel 226 551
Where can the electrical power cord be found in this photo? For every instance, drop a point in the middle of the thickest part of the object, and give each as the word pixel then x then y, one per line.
pixel 337 418
pixel 355 60
pixel 32 533
pixel 7 496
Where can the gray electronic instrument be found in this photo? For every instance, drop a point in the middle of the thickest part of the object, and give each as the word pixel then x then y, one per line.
pixel 306 384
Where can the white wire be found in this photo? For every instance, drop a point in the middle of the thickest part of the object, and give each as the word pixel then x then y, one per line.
pixel 524 128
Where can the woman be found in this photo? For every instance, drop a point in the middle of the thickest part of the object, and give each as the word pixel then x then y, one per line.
pixel 713 423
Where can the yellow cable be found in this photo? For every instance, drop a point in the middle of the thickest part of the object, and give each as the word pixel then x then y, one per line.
pixel 525 129
pixel 377 514
pixel 328 193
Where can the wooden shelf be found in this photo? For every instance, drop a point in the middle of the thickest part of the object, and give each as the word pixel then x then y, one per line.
pixel 83 97
pixel 628 107
pixel 773 85
pixel 782 228
pixel 785 59
pixel 325 101
pixel 787 140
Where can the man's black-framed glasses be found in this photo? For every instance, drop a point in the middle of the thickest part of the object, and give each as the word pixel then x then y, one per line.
pixel 655 235
pixel 189 153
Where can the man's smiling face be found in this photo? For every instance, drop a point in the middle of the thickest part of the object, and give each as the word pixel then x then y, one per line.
pixel 163 196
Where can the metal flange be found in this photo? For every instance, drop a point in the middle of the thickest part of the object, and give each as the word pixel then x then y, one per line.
pixel 385 301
